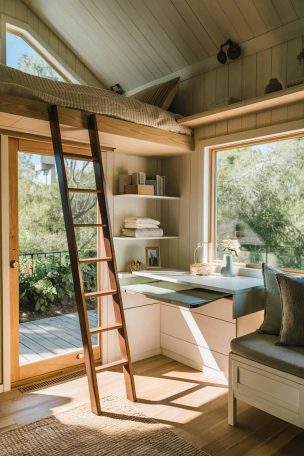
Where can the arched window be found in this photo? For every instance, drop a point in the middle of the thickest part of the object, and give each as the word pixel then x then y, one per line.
pixel 25 53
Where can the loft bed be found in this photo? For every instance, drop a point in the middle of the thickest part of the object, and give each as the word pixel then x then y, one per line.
pixel 126 125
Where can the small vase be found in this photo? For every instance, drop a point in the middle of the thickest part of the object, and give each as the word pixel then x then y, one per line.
pixel 228 269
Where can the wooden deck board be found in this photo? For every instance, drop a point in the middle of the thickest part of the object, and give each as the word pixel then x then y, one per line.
pixel 48 337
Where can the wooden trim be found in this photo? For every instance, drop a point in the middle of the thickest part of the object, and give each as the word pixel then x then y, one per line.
pixel 13 256
pixel 212 188
pixel 5 290
pixel 23 36
pixel 31 116
pixel 46 148
pixel 253 105
pixel 52 366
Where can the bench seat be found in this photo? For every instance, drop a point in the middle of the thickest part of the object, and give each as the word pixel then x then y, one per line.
pixel 262 348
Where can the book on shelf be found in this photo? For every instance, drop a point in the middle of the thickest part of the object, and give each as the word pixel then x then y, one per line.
pixel 159 184
pixel 139 178
pixel 123 180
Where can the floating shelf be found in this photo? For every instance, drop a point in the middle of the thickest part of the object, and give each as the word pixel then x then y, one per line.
pixel 252 105
pixel 126 238
pixel 132 195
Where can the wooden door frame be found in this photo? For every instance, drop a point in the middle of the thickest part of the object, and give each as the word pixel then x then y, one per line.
pixel 57 364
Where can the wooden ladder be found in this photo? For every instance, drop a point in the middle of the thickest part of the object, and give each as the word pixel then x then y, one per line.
pixel 80 295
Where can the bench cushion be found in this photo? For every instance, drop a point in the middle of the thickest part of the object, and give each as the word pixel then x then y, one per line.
pixel 262 349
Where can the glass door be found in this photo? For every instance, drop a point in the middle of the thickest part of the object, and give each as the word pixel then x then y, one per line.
pixel 46 332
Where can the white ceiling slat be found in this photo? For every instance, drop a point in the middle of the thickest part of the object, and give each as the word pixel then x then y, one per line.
pixel 285 10
pixel 173 24
pixel 229 29
pixel 183 27
pixel 235 16
pixel 68 25
pixel 249 11
pixel 109 36
pixel 134 42
pixel 143 33
pixel 115 18
pixel 166 42
pixel 207 21
pixel 268 13
pixel 298 6
pixel 197 29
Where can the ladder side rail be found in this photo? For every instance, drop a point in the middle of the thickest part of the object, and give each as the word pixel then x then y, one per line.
pixel 110 251
pixel 75 267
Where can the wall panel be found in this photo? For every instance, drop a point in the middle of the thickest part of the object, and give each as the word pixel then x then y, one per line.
pixel 16 9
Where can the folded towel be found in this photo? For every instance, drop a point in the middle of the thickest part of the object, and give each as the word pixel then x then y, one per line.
pixel 140 225
pixel 141 220
pixel 148 232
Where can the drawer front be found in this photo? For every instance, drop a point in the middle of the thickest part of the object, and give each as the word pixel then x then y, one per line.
pixel 194 355
pixel 221 309
pixel 201 330
pixel 135 300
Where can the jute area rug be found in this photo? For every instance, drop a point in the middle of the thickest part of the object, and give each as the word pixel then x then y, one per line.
pixel 122 430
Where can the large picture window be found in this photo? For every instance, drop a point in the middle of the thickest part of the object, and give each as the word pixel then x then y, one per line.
pixel 259 200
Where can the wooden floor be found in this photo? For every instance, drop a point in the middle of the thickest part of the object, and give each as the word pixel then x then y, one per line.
pixel 192 403
pixel 48 337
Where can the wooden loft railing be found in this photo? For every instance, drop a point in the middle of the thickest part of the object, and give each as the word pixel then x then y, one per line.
pixel 30 117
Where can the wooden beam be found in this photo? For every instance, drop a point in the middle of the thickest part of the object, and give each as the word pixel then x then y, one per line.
pixel 26 116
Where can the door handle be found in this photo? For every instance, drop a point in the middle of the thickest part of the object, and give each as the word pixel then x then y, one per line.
pixel 14 264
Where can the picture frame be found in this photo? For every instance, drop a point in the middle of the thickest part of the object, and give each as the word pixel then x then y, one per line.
pixel 153 257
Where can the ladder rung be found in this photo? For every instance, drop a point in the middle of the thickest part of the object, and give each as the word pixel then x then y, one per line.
pixel 83 190
pixel 101 329
pixel 121 362
pixel 78 157
pixel 95 294
pixel 94 260
pixel 96 225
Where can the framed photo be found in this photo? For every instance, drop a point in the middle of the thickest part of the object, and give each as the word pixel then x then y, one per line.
pixel 153 257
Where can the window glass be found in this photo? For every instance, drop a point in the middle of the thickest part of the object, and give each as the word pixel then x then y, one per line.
pixel 260 202
pixel 20 55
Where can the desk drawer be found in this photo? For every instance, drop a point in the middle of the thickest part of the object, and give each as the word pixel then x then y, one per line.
pixel 131 300
pixel 206 332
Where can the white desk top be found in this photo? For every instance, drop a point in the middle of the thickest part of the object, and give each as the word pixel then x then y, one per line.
pixel 231 285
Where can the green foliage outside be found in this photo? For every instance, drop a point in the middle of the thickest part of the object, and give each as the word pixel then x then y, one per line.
pixel 36 66
pixel 48 281
pixel 260 200
pixel 43 282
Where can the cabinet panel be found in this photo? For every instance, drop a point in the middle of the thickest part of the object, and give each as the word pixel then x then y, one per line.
pixel 143 326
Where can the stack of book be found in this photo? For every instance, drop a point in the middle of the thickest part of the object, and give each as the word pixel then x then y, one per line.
pixel 142 184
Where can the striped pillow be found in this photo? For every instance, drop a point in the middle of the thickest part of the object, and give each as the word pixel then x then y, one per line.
pixel 161 95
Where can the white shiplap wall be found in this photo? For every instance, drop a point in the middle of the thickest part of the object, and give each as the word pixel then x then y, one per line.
pixel 17 10
pixel 242 79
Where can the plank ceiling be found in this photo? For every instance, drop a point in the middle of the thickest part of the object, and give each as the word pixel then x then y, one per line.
pixel 134 42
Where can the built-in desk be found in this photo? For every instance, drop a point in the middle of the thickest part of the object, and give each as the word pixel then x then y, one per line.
pixel 247 292
pixel 198 315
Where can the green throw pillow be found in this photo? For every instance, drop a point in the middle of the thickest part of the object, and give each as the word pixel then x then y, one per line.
pixel 273 307
pixel 292 297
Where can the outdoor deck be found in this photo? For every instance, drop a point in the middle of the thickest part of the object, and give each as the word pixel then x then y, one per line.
pixel 48 337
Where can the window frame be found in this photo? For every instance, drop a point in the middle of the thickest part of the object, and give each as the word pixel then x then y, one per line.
pixel 10 25
pixel 212 203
